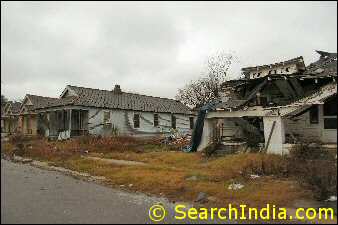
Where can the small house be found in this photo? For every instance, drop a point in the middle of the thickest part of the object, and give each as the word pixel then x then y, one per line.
pixel 80 111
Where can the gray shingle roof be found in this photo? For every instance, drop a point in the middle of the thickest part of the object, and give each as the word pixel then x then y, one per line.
pixel 89 97
pixel 39 101
pixel 127 101
pixel 15 107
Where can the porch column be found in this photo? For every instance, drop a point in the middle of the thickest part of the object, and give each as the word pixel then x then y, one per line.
pixel 274 134
pixel 70 123
pixel 207 134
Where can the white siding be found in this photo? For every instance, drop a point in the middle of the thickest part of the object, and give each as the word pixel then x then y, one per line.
pixel 310 132
pixel 123 120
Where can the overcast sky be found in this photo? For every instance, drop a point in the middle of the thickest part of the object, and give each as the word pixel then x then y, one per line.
pixel 152 48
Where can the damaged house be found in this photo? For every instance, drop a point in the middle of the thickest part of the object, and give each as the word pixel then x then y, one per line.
pixel 81 111
pixel 277 105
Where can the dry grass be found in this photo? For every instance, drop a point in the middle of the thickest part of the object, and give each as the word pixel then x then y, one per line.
pixel 167 171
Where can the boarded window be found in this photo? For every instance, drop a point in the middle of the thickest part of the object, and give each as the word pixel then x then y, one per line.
pixel 191 120
pixel 330 123
pixel 314 116
pixel 106 117
pixel 155 120
pixel 136 120
pixel 173 121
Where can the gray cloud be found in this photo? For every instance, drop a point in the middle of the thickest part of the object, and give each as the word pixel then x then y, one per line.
pixel 150 47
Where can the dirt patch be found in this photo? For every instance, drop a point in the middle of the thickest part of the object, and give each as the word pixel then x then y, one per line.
pixel 116 162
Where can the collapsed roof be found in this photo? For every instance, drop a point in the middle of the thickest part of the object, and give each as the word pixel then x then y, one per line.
pixel 290 87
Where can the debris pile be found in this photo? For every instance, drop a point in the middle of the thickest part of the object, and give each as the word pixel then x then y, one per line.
pixel 177 139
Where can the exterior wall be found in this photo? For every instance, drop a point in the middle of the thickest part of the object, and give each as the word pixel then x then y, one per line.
pixel 230 130
pixel 279 70
pixel 122 120
pixel 305 131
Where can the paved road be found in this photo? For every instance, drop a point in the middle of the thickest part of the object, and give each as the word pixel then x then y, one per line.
pixel 32 195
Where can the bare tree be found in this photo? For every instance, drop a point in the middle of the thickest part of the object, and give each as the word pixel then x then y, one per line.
pixel 207 88
pixel 3 99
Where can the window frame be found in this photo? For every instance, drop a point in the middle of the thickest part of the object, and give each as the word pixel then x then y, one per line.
pixel 191 122
pixel 136 120
pixel 314 115
pixel 330 115
pixel 333 121
pixel 156 120
pixel 105 120
pixel 173 121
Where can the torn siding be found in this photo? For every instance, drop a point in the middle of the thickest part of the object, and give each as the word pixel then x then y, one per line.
pixel 301 129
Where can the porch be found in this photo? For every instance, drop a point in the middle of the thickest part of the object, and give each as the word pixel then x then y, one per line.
pixel 10 124
pixel 63 123
pixel 270 129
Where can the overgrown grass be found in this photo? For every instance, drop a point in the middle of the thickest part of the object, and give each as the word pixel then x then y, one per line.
pixel 167 171
pixel 316 168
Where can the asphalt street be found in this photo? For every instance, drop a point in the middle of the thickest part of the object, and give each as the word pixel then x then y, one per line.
pixel 32 195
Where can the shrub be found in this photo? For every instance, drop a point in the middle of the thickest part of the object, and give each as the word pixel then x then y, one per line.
pixel 309 151
pixel 315 167
pixel 210 149
pixel 264 164
pixel 19 141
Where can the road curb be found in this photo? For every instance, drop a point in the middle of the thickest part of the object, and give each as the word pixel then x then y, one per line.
pixel 46 166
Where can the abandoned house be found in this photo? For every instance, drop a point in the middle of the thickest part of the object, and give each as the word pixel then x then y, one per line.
pixel 276 106
pixel 9 117
pixel 81 111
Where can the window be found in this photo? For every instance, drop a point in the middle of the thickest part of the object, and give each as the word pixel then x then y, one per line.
pixel 314 119
pixel 330 107
pixel 330 123
pixel 259 74
pixel 155 120
pixel 330 114
pixel 173 121
pixel 287 69
pixel 106 117
pixel 136 121
pixel 191 120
